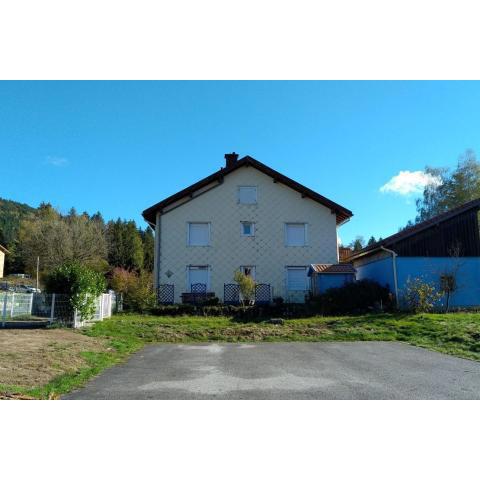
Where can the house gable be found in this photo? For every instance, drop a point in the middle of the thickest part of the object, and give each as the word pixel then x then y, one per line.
pixel 193 191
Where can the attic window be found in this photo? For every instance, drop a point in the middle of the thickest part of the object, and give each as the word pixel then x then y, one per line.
pixel 247 229
pixel 247 195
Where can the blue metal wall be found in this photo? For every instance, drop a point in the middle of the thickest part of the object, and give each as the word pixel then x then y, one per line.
pixel 429 269
pixel 331 280
pixel 379 270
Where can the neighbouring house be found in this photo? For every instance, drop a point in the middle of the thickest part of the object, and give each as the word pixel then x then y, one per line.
pixel 247 217
pixel 441 248
pixel 325 276
pixel 3 251
pixel 344 253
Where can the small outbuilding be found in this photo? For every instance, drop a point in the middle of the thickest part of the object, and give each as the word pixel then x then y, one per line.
pixel 326 275
pixel 445 248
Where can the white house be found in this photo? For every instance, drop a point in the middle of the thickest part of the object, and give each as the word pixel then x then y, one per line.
pixel 245 216
pixel 3 251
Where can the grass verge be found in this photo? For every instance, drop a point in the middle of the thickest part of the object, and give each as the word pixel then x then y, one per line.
pixel 93 362
pixel 456 333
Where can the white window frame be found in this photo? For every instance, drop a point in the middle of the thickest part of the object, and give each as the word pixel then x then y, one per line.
pixel 296 267
pixel 305 225
pixel 247 186
pixel 189 244
pixel 191 267
pixel 252 232
pixel 253 269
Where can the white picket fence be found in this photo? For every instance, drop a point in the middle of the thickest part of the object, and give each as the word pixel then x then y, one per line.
pixel 53 308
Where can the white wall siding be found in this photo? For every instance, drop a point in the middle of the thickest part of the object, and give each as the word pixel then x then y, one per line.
pixel 228 250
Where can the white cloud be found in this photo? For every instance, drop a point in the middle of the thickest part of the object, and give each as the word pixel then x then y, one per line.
pixel 57 161
pixel 406 182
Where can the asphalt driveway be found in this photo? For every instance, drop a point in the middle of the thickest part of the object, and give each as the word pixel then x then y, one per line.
pixel 333 370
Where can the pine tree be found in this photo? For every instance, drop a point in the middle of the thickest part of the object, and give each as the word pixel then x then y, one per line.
pixel 125 248
pixel 148 249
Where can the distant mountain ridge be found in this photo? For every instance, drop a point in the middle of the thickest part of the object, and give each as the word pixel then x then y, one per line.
pixel 11 214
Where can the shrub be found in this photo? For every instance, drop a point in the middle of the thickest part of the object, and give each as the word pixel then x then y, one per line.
pixel 278 301
pixel 247 287
pixel 211 302
pixel 448 286
pixel 354 297
pixel 136 288
pixel 82 285
pixel 420 296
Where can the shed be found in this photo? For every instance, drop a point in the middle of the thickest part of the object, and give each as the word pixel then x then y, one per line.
pixel 326 275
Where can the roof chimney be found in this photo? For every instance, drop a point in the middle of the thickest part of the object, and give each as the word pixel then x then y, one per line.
pixel 230 159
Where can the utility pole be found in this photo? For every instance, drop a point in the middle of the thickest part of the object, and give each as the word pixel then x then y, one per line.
pixel 38 265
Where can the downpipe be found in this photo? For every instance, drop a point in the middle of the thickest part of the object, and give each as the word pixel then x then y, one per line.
pixel 394 263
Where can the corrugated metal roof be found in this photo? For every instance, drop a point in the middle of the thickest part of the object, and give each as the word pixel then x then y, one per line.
pixel 332 268
pixel 419 227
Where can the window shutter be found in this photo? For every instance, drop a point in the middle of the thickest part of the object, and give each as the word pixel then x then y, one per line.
pixel 297 279
pixel 296 234
pixel 247 195
pixel 198 234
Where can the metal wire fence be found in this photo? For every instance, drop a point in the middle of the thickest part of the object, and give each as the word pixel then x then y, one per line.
pixel 50 308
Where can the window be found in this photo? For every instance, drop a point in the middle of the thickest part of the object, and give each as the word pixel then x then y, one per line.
pixel 198 275
pixel 198 234
pixel 249 270
pixel 297 279
pixel 247 195
pixel 248 229
pixel 295 234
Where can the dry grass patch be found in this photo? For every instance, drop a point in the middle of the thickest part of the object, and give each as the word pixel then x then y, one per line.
pixel 29 358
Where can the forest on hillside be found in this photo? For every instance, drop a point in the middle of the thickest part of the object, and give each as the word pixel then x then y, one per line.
pixel 55 238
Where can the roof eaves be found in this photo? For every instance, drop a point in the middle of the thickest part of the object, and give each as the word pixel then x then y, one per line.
pixel 342 213
pixel 404 234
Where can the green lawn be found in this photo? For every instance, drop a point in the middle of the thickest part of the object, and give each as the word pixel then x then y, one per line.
pixel 456 334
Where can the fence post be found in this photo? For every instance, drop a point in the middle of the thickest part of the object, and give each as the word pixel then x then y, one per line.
pixel 101 307
pixel 12 306
pixel 76 322
pixel 30 308
pixel 4 310
pixel 52 309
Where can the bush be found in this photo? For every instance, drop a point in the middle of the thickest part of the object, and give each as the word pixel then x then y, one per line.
pixel 278 301
pixel 352 298
pixel 238 312
pixel 136 288
pixel 420 296
pixel 247 287
pixel 82 285
pixel 211 302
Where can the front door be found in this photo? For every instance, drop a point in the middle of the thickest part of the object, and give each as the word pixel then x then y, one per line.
pixel 197 275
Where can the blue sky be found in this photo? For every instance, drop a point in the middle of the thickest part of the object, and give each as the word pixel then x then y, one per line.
pixel 119 147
